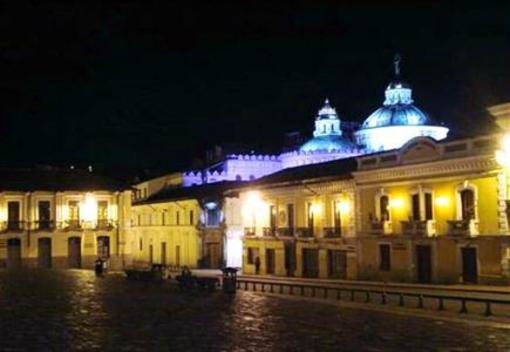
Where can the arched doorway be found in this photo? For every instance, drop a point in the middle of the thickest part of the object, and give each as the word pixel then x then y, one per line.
pixel 13 253
pixel 74 252
pixel 44 253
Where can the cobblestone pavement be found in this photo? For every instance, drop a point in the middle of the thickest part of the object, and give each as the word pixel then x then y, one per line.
pixel 74 310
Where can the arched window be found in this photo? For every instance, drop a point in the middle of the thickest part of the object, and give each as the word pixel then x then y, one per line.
pixel 252 177
pixel 239 178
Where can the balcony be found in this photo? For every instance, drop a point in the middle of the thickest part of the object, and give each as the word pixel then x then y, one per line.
pixel 468 228
pixel 286 232
pixel 381 227
pixel 13 226
pixel 104 224
pixel 249 232
pixel 332 232
pixel 422 228
pixel 269 232
pixel 304 232
pixel 44 225
pixel 72 225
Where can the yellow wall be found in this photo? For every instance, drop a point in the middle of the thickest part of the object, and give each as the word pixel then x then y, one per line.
pixel 154 224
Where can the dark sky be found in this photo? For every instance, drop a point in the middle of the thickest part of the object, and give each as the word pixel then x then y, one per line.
pixel 153 83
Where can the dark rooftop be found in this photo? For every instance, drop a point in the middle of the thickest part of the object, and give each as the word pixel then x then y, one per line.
pixel 53 179
pixel 194 192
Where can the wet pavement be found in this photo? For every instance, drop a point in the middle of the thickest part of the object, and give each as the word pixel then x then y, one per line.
pixel 74 310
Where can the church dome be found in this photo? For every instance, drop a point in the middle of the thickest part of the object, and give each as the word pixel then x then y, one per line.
pixel 398 120
pixel 327 135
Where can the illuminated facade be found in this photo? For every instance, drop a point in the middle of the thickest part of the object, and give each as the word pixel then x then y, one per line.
pixel 63 219
pixel 192 226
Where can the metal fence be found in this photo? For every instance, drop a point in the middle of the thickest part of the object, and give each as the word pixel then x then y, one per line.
pixel 381 296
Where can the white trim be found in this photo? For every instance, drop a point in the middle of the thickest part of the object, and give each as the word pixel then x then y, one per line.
pixel 466 185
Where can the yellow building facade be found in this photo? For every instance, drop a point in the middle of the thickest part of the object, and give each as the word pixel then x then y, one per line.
pixel 433 212
pixel 429 212
pixel 298 226
pixel 63 220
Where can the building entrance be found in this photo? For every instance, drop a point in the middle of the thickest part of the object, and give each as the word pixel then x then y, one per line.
pixel 13 253
pixel 270 261
pixel 74 252
pixel 310 262
pixel 44 253
pixel 424 264
pixel 469 265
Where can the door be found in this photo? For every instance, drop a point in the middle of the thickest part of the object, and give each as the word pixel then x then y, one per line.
pixel 337 264
pixel 13 253
pixel 44 253
pixel 469 265
pixel 151 254
pixel 310 262
pixel 270 261
pixel 290 258
pixel 213 255
pixel 163 253
pixel 74 252
pixel 424 264
pixel 103 247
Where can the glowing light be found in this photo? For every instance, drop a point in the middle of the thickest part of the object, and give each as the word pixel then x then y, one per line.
pixel 396 203
pixel 442 200
pixel 343 207
pixel 88 208
pixel 316 208
pixel 506 143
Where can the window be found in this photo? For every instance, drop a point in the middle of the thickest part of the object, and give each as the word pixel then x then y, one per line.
pixel 290 216
pixel 140 244
pixel 253 253
pixel 310 217
pixel 191 217
pixel 102 213
pixel 337 218
pixel 428 206
pixel 44 214
pixel 415 206
pixel 213 217
pixel 272 217
pixel 384 257
pixel 74 213
pixel 163 218
pixel 13 215
pixel 467 204
pixel 139 220
pixel 177 218
pixel 384 202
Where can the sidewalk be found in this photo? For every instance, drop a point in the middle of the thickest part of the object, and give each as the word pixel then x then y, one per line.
pixel 500 290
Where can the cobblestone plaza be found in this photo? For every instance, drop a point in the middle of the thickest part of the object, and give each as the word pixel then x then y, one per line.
pixel 74 310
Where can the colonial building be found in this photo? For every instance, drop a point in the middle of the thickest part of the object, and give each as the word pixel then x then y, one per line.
pixel 187 226
pixel 63 219
pixel 299 222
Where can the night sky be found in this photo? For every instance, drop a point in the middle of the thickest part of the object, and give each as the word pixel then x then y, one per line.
pixel 151 84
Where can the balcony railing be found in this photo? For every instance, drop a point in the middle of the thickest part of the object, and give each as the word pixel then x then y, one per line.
pixel 249 231
pixel 425 228
pixel 72 224
pixel 44 225
pixel 104 224
pixel 285 232
pixel 381 227
pixel 463 227
pixel 13 226
pixel 332 232
pixel 304 232
pixel 269 231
